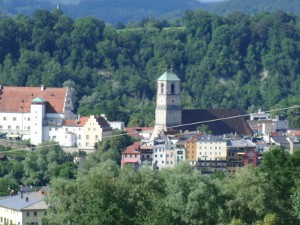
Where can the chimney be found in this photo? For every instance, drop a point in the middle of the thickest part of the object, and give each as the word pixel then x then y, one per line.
pixel 42 88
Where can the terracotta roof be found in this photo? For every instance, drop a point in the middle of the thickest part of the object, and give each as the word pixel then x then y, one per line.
pixel 235 125
pixel 73 123
pixel 18 99
pixel 132 149
pixel 293 132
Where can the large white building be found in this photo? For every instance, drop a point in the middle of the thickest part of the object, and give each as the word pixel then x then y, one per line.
pixel 40 114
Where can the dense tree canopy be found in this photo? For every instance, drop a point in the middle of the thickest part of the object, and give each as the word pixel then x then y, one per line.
pixel 238 61
pixel 110 195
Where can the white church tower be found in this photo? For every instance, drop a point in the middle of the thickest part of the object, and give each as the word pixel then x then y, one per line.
pixel 38 108
pixel 168 103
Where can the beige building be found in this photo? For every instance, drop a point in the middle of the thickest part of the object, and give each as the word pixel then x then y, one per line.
pixel 211 147
pixel 23 209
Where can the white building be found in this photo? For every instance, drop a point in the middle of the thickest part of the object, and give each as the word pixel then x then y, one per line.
pixel 40 114
pixel 23 209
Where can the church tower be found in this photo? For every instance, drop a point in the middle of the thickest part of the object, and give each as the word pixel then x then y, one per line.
pixel 168 103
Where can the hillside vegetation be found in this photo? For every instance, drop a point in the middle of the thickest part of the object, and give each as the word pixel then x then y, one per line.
pixel 114 11
pixel 237 61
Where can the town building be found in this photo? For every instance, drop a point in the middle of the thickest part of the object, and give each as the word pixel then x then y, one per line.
pixel 211 154
pixel 240 152
pixel 40 114
pixel 23 208
pixel 191 149
pixel 132 155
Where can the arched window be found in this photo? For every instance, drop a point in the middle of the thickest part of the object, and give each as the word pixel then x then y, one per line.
pixel 162 88
pixel 172 89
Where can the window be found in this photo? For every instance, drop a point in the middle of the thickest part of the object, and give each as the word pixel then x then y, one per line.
pixel 35 213
pixel 28 214
pixel 28 127
pixel 28 118
pixel 162 88
pixel 172 89
pixel 86 144
pixel 9 126
pixel 4 118
pixel 14 118
pixel 1 126
pixel 87 137
pixel 79 136
pixel 96 137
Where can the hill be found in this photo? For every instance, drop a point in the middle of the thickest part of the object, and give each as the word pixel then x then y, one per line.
pixel 253 6
pixel 238 61
pixel 114 11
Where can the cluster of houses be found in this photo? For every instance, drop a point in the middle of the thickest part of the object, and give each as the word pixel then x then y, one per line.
pixel 237 140
pixel 40 114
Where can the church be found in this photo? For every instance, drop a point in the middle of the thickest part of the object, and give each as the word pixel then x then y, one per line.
pixel 169 114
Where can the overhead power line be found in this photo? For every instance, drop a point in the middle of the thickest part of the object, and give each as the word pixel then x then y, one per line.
pixel 180 125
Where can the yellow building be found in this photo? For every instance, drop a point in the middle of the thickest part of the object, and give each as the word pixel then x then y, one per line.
pixel 94 129
pixel 191 149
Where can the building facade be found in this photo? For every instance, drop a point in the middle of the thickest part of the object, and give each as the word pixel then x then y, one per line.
pixel 40 114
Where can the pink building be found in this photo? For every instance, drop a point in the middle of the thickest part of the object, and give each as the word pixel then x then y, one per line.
pixel 132 154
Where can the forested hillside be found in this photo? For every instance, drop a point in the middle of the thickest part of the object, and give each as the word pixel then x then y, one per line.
pixel 239 61
pixel 254 6
pixel 114 11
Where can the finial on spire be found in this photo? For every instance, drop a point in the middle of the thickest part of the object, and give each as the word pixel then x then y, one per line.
pixel 170 68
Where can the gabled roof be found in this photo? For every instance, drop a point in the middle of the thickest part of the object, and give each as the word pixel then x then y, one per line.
pixel 32 200
pixel 103 123
pixel 226 126
pixel 168 76
pixel 18 99
pixel 132 149
pixel 76 123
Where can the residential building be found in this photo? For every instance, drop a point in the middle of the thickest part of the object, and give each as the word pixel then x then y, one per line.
pixel 132 155
pixel 240 152
pixel 23 209
pixel 191 149
pixel 211 154
pixel 159 153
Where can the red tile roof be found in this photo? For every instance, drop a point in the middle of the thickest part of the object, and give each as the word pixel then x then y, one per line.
pixel 132 149
pixel 72 123
pixel 18 99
